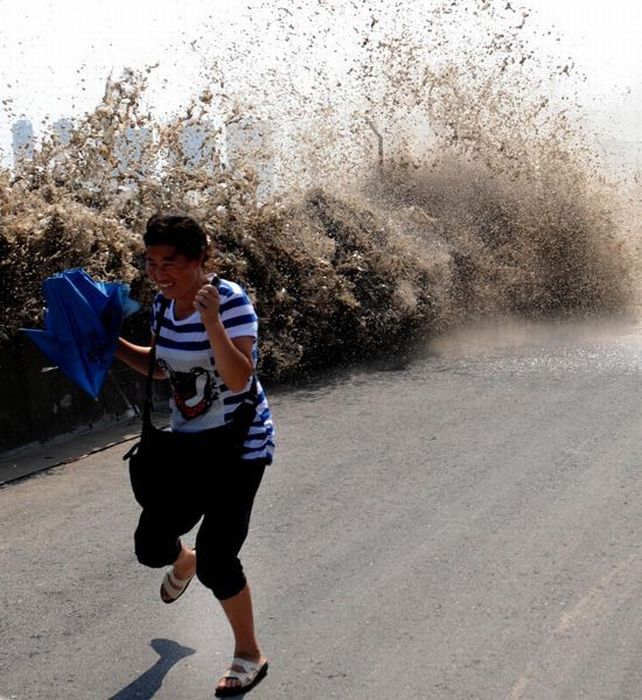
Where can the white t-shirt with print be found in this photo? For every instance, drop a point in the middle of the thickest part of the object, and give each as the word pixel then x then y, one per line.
pixel 199 399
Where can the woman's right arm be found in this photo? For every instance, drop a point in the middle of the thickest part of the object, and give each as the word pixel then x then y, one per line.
pixel 136 357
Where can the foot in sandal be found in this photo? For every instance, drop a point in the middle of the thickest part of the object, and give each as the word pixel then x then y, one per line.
pixel 241 676
pixel 178 578
pixel 172 588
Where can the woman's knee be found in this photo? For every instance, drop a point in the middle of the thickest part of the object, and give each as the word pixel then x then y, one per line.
pixel 153 550
pixel 225 578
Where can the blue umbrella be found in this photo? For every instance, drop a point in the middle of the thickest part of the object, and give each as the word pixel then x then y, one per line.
pixel 82 324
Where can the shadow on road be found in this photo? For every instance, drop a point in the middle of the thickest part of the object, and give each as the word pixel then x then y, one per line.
pixel 146 685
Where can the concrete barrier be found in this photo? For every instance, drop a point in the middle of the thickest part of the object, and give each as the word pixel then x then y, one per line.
pixel 38 403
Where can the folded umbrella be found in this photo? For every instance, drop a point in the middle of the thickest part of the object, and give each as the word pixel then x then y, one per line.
pixel 82 324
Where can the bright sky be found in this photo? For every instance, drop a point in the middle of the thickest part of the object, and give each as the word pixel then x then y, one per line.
pixel 56 54
pixel 604 39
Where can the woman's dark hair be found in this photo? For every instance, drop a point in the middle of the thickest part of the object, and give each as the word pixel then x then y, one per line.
pixel 179 231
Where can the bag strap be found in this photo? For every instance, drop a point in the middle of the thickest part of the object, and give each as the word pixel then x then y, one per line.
pixel 147 405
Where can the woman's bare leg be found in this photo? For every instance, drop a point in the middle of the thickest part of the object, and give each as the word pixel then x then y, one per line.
pixel 238 610
pixel 185 564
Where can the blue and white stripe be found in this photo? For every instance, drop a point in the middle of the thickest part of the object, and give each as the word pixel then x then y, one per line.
pixel 184 343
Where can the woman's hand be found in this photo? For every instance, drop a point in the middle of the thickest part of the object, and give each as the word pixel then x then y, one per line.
pixel 207 303
pixel 233 358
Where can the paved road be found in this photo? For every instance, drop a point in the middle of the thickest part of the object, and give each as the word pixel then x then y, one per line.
pixel 465 527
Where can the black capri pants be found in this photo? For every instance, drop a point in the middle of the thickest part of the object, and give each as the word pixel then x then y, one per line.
pixel 225 504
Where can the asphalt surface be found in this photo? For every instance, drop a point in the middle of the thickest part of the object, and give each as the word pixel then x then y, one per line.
pixel 465 526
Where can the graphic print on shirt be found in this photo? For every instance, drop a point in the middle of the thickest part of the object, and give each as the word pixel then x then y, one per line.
pixel 193 392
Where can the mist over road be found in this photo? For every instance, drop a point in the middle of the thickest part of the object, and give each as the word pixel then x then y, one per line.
pixel 464 526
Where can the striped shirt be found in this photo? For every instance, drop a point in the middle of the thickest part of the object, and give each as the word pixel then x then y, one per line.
pixel 199 399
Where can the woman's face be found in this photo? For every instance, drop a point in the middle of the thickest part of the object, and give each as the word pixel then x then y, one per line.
pixel 173 273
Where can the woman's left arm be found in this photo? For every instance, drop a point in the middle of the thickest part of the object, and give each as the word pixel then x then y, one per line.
pixel 233 358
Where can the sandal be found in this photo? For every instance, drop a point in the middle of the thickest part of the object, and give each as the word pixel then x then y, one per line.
pixel 172 588
pixel 246 672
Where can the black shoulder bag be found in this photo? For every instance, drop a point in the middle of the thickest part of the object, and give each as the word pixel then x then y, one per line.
pixel 165 466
